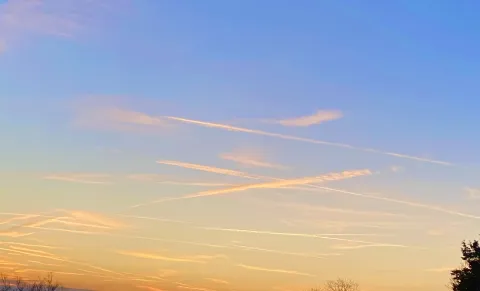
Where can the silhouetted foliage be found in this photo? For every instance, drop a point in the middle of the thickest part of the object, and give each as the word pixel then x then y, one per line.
pixel 338 285
pixel 467 278
pixel 17 284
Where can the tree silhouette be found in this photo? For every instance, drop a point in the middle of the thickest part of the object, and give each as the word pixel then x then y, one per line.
pixel 339 285
pixel 17 284
pixel 467 278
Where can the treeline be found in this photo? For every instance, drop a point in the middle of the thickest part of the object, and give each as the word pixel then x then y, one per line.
pixel 18 284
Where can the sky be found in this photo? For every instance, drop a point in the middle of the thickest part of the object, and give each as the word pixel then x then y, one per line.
pixel 238 145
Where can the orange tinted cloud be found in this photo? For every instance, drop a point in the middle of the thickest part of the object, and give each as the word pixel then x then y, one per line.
pixel 318 117
pixel 218 281
pixel 271 185
pixel 83 178
pixel 290 272
pixel 151 256
pixel 250 158
pixel 149 288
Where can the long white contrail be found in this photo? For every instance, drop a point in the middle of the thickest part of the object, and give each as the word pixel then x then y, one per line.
pixel 296 138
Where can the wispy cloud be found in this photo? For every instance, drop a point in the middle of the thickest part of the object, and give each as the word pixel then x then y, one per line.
pixel 208 169
pixel 329 189
pixel 95 218
pixel 84 178
pixel 149 288
pixel 361 246
pixel 290 272
pixel 319 208
pixel 397 169
pixel 44 264
pixel 167 273
pixel 99 113
pixel 397 201
pixel 23 18
pixel 435 232
pixel 250 158
pixel 315 188
pixel 156 219
pixel 218 281
pixel 31 245
pixel 189 287
pixel 341 225
pixel 440 270
pixel 301 139
pixel 161 179
pixel 318 117
pixel 271 185
pixel 472 193
pixel 50 257
pixel 305 255
pixel 151 256
pixel 235 246
pixel 306 235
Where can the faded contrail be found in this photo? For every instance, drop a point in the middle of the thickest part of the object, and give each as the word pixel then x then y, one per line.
pixel 255 268
pixel 270 185
pixel 300 235
pixel 403 202
pixel 413 204
pixel 289 137
pixel 208 169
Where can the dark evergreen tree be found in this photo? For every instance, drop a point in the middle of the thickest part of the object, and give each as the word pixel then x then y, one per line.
pixel 467 278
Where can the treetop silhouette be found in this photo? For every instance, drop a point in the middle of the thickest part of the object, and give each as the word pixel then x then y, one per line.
pixel 467 278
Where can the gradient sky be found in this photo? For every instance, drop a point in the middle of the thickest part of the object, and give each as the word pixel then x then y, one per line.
pixel 238 145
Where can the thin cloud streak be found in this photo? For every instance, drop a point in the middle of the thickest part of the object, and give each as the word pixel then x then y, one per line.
pixel 94 218
pixel 215 246
pixel 208 169
pixel 289 137
pixel 44 264
pixel 413 204
pixel 250 159
pixel 440 270
pixel 318 117
pixel 314 256
pixel 79 178
pixel 31 245
pixel 160 257
pixel 341 247
pixel 156 219
pixel 35 255
pixel 403 202
pixel 160 179
pixel 315 208
pixel 20 18
pixel 290 272
pixel 148 288
pixel 218 281
pixel 270 185
pixel 319 236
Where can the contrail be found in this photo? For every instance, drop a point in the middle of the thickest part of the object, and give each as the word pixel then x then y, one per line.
pixel 308 140
pixel 208 169
pixel 413 204
pixel 255 268
pixel 269 185
pixel 320 188
pixel 300 235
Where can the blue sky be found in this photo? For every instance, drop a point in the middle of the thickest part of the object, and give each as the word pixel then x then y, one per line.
pixel 402 74
pixel 381 61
